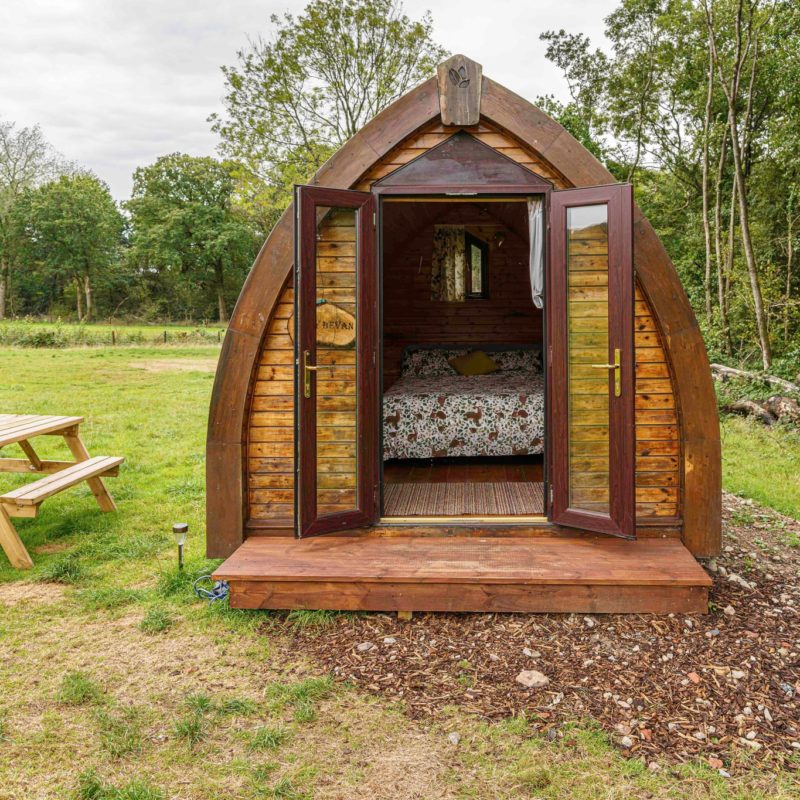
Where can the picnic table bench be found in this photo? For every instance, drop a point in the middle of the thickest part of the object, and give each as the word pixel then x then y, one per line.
pixel 25 500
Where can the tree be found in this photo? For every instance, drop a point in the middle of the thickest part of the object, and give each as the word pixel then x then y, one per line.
pixel 697 104
pixel 26 160
pixel 184 223
pixel 586 74
pixel 292 100
pixel 731 69
pixel 71 228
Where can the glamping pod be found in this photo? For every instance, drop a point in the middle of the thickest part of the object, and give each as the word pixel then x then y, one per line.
pixel 463 375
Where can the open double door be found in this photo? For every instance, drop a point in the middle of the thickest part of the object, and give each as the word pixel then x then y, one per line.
pixel 590 360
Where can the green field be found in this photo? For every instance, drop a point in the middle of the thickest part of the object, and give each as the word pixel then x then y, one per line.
pixel 115 683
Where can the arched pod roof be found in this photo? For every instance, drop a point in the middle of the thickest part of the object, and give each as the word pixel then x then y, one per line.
pixel 656 273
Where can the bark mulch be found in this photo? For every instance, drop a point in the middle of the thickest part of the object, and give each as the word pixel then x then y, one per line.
pixel 712 686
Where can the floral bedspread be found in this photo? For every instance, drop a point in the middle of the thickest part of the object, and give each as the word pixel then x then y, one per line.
pixel 500 414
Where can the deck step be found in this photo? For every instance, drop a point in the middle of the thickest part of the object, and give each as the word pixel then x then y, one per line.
pixel 461 573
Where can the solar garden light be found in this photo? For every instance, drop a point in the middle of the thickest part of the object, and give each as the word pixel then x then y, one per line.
pixel 180 531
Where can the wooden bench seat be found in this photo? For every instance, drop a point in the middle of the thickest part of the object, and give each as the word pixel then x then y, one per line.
pixel 32 494
pixel 24 501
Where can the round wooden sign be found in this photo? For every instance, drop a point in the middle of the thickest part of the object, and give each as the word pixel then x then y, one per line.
pixel 335 326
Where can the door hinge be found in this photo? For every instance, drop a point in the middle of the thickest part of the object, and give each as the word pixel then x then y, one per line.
pixel 374 219
pixel 551 494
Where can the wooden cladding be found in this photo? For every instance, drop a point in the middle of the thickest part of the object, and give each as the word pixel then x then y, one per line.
pixel 270 435
pixel 270 429
pixel 436 133
pixel 658 448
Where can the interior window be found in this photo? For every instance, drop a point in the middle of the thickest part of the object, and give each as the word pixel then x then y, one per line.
pixel 477 267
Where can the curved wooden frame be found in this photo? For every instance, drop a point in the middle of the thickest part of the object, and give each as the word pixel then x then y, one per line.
pixel 698 419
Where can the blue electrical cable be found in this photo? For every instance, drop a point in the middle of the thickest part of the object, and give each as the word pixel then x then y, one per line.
pixel 219 589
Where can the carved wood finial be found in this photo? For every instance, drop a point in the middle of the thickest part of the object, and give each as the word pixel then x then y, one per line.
pixel 460 90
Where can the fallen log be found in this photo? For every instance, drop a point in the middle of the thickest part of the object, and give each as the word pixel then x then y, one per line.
pixel 750 408
pixel 723 372
pixel 783 408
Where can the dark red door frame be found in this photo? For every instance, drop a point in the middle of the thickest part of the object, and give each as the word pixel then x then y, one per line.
pixel 307 200
pixel 621 521
pixel 369 268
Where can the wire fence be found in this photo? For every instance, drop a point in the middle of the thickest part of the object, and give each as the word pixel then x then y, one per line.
pixel 26 334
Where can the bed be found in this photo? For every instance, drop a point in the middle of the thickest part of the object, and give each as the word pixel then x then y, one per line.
pixel 433 412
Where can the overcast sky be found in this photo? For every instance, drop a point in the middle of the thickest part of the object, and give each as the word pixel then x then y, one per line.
pixel 117 83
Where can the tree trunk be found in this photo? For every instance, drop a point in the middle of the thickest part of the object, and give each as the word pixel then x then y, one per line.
pixel 220 275
pixel 731 254
pixel 79 299
pixel 784 408
pixel 747 245
pixel 722 297
pixel 752 409
pixel 731 91
pixel 706 216
pixel 4 273
pixel 789 259
pixel 87 290
pixel 724 372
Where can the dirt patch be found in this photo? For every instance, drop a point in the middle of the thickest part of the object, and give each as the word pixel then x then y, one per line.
pixel 394 759
pixel 682 687
pixel 12 594
pixel 52 547
pixel 176 365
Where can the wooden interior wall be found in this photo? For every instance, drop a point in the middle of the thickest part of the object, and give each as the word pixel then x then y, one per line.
pixel 411 316
pixel 270 432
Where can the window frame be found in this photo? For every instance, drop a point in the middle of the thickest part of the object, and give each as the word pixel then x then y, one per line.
pixel 471 239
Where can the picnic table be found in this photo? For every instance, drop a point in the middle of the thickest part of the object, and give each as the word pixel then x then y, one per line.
pixel 24 501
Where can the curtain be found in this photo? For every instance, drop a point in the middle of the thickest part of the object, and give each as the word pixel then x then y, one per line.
pixel 449 263
pixel 536 235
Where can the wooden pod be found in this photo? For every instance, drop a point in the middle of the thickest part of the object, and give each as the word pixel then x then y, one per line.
pixel 250 432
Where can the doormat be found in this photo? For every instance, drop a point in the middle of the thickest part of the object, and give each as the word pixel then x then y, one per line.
pixel 463 499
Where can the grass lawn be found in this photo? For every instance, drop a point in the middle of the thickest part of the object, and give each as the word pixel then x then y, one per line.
pixel 116 684
pixel 762 463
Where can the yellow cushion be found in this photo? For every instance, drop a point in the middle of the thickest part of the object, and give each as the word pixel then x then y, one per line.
pixel 474 363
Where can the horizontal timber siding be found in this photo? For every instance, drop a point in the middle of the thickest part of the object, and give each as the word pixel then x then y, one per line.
pixel 658 451
pixel 270 434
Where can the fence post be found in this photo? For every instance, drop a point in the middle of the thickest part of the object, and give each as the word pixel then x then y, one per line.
pixel 165 337
pixel 113 337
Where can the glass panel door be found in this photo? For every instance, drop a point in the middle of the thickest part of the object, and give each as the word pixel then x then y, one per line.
pixel 336 359
pixel 591 339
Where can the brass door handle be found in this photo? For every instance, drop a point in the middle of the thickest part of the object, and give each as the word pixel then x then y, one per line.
pixel 307 370
pixel 617 367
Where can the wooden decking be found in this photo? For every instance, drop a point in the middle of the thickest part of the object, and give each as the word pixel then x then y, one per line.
pixel 461 573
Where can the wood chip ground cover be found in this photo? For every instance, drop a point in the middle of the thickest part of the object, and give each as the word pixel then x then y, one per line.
pixel 714 686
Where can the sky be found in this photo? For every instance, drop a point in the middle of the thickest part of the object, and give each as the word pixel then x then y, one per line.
pixel 115 84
